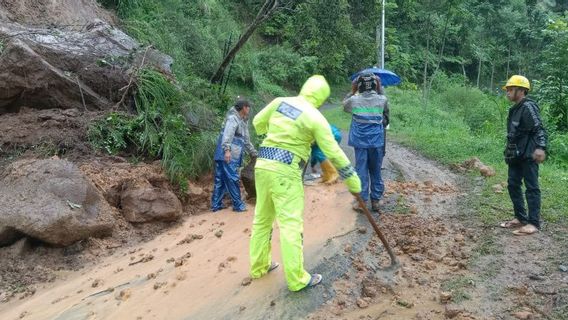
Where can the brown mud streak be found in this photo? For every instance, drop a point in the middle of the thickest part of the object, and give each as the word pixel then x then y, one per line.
pixel 452 265
pixel 418 222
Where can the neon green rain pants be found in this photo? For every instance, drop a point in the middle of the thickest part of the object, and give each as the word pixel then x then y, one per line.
pixel 280 195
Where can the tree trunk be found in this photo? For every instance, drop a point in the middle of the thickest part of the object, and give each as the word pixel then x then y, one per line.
pixel 508 63
pixel 426 58
pixel 441 53
pixel 268 8
pixel 492 75
pixel 479 72
pixel 425 74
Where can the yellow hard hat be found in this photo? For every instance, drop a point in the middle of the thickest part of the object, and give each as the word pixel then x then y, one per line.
pixel 518 81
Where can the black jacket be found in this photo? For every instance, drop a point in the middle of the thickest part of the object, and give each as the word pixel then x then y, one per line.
pixel 525 131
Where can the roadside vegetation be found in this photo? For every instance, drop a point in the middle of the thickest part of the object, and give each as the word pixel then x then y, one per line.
pixel 459 122
pixel 452 55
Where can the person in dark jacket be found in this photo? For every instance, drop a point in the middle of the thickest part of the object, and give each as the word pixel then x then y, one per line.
pixel 233 140
pixel 525 150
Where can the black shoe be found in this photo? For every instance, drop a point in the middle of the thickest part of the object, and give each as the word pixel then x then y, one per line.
pixel 376 206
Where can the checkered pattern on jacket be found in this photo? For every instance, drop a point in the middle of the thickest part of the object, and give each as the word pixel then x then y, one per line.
pixel 276 154
pixel 346 172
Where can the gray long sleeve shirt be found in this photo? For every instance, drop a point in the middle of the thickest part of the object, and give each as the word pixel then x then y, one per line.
pixel 236 126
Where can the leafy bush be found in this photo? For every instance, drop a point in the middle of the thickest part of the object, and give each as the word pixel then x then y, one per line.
pixel 558 148
pixel 281 65
pixel 113 133
pixel 158 131
pixel 479 111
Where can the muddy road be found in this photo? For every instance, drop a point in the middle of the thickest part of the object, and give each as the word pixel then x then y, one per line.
pixel 452 266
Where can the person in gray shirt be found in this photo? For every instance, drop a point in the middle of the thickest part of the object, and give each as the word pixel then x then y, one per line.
pixel 233 140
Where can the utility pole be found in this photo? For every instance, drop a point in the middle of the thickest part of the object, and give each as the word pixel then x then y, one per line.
pixel 380 35
pixel 383 37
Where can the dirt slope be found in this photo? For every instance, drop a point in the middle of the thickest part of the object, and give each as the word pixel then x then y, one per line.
pixel 68 13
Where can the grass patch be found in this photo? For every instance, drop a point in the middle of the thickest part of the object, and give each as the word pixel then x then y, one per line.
pixel 337 117
pixel 442 133
pixel 488 247
pixel 401 205
pixel 459 288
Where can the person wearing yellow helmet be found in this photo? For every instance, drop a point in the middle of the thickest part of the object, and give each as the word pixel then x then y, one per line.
pixel 525 150
pixel 291 125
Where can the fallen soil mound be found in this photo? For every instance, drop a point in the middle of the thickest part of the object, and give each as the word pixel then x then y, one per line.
pixel 72 13
pixel 48 132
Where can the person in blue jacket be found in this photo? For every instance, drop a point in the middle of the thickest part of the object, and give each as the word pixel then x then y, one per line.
pixel 329 173
pixel 233 140
pixel 367 135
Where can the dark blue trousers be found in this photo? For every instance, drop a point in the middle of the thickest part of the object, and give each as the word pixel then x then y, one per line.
pixel 527 171
pixel 368 162
pixel 227 180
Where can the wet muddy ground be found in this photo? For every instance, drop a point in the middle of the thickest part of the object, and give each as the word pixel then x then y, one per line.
pixel 452 266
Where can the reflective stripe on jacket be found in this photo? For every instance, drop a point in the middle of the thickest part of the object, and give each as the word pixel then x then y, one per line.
pixel 367 111
pixel 294 123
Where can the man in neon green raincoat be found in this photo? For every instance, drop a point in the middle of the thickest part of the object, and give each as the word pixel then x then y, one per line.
pixel 291 125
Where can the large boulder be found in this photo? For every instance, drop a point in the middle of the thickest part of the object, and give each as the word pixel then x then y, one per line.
pixel 142 202
pixel 57 67
pixel 52 201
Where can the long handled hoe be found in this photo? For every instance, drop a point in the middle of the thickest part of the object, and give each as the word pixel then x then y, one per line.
pixel 394 262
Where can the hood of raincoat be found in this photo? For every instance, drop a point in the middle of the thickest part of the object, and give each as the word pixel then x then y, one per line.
pixel 316 90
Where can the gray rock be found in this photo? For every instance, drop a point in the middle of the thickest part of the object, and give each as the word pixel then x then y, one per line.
pixel 247 177
pixel 52 201
pixel 9 235
pixel 47 67
pixel 142 202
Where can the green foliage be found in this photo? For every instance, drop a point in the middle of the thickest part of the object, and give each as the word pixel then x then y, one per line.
pixel 478 110
pixel 558 148
pixel 277 68
pixel 553 87
pixel 323 29
pixel 112 134
pixel 121 6
pixel 158 131
pixel 283 66
pixel 445 133
pixel 443 129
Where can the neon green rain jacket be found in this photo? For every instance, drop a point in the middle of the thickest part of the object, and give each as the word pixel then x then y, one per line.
pixel 295 129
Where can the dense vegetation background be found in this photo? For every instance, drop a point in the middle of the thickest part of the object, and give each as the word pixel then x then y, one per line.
pixel 453 56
